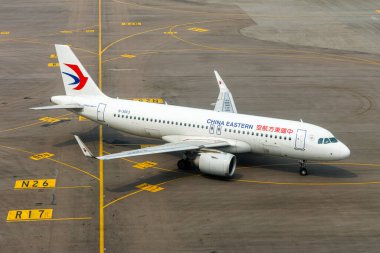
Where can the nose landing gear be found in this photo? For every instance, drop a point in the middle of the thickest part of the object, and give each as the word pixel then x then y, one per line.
pixel 303 170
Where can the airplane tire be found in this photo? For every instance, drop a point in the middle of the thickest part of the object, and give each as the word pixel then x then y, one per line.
pixel 303 172
pixel 183 164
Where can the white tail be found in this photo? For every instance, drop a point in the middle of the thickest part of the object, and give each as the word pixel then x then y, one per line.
pixel 76 80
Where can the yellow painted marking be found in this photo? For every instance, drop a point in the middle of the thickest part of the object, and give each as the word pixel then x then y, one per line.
pixel 53 56
pixel 131 23
pixel 378 11
pixel 53 160
pixel 81 118
pixel 170 32
pixel 53 64
pixel 41 156
pixel 128 55
pixel 49 119
pixel 66 31
pixel 5 33
pixel 55 219
pixel 197 29
pixel 150 100
pixel 144 165
pixel 36 183
pixel 90 31
pixel 32 214
pixel 101 163
pixel 150 187
pixel 147 145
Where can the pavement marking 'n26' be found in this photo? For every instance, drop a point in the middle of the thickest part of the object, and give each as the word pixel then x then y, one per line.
pixel 35 183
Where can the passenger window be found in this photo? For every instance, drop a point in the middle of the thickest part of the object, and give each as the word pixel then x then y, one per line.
pixel 326 141
pixel 290 138
pixel 138 118
pixel 230 130
pixel 203 126
pixel 266 135
pixel 270 136
pixel 184 124
pixel 280 137
pixel 234 131
pixel 163 121
pixel 134 117
pixel 197 126
pixel 284 138
pixel 155 120
pixel 320 141
pixel 176 123
pixel 159 121
pixel 238 131
pixel 262 135
pixel 257 134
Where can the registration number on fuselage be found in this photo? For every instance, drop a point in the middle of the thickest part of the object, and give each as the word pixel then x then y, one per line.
pixel 124 111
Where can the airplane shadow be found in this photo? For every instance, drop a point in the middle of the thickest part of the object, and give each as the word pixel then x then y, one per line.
pixel 282 164
pixel 272 163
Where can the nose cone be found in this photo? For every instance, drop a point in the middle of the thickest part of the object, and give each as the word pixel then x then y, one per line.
pixel 344 152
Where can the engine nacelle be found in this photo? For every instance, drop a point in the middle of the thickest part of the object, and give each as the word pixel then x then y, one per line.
pixel 217 164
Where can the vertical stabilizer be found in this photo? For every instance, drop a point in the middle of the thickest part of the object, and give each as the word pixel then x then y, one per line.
pixel 76 80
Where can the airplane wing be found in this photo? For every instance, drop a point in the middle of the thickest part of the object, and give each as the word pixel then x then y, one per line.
pixel 225 102
pixel 50 107
pixel 165 148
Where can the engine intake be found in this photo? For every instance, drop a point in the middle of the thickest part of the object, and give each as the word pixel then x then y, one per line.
pixel 217 164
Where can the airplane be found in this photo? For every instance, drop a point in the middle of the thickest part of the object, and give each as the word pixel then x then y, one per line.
pixel 209 139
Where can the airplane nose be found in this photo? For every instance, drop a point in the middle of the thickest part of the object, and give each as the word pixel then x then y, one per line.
pixel 344 151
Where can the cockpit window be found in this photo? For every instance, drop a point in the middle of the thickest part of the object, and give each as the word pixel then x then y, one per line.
pixel 327 140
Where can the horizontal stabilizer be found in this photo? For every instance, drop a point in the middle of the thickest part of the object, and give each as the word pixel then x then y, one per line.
pixel 51 107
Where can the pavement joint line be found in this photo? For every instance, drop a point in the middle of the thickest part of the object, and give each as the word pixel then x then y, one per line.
pixel 321 55
pixel 53 219
pixel 51 159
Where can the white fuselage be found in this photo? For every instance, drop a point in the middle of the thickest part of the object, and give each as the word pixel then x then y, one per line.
pixel 245 133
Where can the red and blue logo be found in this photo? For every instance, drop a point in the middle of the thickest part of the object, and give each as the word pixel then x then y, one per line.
pixel 79 79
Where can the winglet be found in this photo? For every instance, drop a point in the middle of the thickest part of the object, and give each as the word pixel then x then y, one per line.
pixel 225 101
pixel 220 80
pixel 83 147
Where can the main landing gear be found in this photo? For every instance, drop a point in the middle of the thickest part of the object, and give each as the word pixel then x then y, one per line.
pixel 184 164
pixel 303 170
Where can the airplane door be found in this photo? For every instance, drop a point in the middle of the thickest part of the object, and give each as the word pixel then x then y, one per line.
pixel 300 139
pixel 212 127
pixel 218 129
pixel 101 110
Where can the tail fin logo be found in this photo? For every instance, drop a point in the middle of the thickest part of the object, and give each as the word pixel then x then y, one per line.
pixel 79 79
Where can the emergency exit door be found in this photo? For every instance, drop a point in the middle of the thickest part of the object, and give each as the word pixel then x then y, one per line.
pixel 101 110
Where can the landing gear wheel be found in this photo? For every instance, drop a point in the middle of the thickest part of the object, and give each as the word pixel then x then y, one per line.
pixel 183 164
pixel 303 171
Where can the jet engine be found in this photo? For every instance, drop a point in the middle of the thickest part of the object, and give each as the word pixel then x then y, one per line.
pixel 217 164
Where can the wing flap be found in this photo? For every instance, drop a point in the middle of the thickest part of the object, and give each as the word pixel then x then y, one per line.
pixel 166 148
